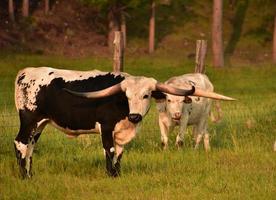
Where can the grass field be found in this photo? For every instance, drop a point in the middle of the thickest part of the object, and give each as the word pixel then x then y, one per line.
pixel 241 164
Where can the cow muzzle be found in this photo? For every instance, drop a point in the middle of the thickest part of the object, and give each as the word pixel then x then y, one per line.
pixel 135 118
pixel 176 116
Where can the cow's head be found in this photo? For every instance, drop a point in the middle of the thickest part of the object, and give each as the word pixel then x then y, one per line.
pixel 139 91
pixel 174 106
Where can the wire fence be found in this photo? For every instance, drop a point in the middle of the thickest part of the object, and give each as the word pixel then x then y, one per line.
pixel 8 115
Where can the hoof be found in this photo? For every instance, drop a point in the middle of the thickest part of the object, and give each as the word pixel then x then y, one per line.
pixel 22 164
pixel 179 144
pixel 113 173
pixel 164 146
pixel 207 149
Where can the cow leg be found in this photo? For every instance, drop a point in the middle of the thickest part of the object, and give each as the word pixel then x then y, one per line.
pixel 205 126
pixel 25 140
pixel 200 131
pixel 206 141
pixel 108 145
pixel 198 134
pixel 180 136
pixel 32 141
pixel 164 124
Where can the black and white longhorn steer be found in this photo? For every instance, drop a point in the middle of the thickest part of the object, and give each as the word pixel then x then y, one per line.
pixel 82 102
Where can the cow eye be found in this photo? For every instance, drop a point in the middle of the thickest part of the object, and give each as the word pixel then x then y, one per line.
pixel 168 100
pixel 146 96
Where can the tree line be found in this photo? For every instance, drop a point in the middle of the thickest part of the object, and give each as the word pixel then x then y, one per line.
pixel 116 12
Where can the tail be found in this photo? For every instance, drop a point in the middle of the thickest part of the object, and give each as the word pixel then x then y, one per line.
pixel 216 119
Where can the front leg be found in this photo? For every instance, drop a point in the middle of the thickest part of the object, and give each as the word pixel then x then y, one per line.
pixel 123 133
pixel 111 168
pixel 165 126
pixel 183 126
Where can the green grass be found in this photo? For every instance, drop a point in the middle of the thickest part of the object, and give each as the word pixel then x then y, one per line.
pixel 241 164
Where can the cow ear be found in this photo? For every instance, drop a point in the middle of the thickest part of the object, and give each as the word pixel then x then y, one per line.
pixel 158 95
pixel 187 100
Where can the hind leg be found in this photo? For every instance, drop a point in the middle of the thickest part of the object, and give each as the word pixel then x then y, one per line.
pixel 30 129
pixel 200 131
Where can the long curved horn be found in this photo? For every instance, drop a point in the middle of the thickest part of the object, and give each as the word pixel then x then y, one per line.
pixel 98 94
pixel 212 95
pixel 174 91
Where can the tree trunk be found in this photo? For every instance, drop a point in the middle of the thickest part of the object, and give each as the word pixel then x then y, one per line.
pixel 123 28
pixel 201 49
pixel 25 8
pixel 47 6
pixel 274 42
pixel 152 27
pixel 217 43
pixel 11 10
pixel 118 57
pixel 114 22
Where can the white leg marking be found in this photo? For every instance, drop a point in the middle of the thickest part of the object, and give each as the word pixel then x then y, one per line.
pixel 198 140
pixel 206 142
pixel 112 149
pixel 118 150
pixel 22 148
pixel 29 154
pixel 164 125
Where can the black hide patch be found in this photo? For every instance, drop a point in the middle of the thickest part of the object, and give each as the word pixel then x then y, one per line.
pixel 187 100
pixel 78 113
pixel 158 95
pixel 20 78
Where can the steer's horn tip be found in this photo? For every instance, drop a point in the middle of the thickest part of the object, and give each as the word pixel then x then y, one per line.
pixel 229 99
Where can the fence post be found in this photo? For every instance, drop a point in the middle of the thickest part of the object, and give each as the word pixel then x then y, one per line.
pixel 201 49
pixel 118 58
pixel 47 6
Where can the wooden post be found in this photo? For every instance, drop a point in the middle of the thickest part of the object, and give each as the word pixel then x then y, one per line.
pixel 123 28
pixel 25 8
pixel 118 58
pixel 217 42
pixel 47 6
pixel 201 49
pixel 11 10
pixel 152 27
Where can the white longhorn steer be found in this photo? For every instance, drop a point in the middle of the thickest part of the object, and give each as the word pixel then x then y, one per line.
pixel 184 111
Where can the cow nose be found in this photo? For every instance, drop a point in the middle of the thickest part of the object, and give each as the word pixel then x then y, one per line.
pixel 177 115
pixel 135 118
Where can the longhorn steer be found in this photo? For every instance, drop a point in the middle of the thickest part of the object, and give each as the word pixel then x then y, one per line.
pixel 184 111
pixel 111 104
